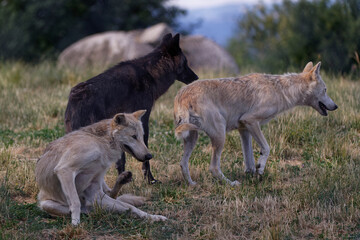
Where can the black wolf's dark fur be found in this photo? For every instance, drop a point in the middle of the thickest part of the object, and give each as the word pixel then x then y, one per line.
pixel 128 87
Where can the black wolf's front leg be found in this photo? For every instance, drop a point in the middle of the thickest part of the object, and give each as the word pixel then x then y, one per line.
pixel 146 165
pixel 120 164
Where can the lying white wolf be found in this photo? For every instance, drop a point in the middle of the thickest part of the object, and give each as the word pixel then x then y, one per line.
pixel 216 106
pixel 70 173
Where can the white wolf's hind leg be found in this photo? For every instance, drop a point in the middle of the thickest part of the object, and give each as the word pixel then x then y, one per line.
pixel 218 141
pixel 189 144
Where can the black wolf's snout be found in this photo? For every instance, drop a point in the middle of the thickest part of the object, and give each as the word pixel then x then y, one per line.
pixel 148 156
pixel 191 75
pixel 187 76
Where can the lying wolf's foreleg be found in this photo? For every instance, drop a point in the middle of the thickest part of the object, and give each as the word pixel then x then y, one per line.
pixel 246 142
pixel 218 141
pixel 111 204
pixel 254 129
pixel 189 144
pixel 67 180
pixel 123 178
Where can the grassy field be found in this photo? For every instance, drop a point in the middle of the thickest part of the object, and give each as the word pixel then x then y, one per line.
pixel 311 187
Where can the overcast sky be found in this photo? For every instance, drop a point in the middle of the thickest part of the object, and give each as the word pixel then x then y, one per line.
pixel 193 4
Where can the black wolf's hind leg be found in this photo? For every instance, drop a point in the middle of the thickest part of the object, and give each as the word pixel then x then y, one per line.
pixel 120 164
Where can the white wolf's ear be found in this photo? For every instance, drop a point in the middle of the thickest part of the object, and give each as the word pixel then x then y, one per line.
pixel 308 67
pixel 316 69
pixel 120 119
pixel 139 114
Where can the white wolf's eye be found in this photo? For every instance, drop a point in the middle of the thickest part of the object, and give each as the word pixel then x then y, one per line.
pixel 325 90
pixel 134 137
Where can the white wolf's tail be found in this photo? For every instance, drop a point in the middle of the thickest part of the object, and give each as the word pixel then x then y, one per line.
pixel 182 131
pixel 184 116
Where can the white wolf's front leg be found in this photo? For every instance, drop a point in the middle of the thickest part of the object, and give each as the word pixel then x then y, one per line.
pixel 246 142
pixel 254 129
pixel 189 144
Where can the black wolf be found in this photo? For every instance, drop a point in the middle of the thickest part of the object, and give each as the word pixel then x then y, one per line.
pixel 127 87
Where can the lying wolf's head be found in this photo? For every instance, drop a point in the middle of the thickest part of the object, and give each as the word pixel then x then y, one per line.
pixel 171 45
pixel 317 97
pixel 127 131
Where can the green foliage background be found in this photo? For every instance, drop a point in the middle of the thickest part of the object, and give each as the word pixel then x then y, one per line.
pixel 32 30
pixel 274 37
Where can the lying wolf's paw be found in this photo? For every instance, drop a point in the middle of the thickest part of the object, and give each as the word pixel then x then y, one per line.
pixel 75 222
pixel 124 177
pixel 156 218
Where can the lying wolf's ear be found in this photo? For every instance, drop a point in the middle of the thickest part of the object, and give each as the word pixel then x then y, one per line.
pixel 139 114
pixel 308 67
pixel 120 119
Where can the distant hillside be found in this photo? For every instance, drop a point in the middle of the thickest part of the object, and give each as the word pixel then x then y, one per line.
pixel 217 23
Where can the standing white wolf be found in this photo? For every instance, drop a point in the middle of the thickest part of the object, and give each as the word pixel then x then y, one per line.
pixel 216 106
pixel 70 173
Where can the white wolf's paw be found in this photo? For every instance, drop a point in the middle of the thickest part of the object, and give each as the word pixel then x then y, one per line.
pixel 156 218
pixel 235 183
pixel 250 171
pixel 192 184
pixel 259 172
pixel 259 169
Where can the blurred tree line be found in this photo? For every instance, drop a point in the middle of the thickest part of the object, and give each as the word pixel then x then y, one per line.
pixel 32 29
pixel 274 37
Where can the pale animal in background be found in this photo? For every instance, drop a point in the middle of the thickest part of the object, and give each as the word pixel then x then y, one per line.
pixel 70 173
pixel 244 103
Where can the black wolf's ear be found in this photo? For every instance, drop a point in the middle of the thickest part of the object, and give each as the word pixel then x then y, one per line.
pixel 174 47
pixel 176 40
pixel 165 40
pixel 120 119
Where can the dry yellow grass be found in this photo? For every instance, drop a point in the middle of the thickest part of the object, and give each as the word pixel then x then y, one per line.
pixel 310 189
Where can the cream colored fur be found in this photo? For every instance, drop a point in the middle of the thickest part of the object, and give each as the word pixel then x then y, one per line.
pixel 70 173
pixel 216 106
